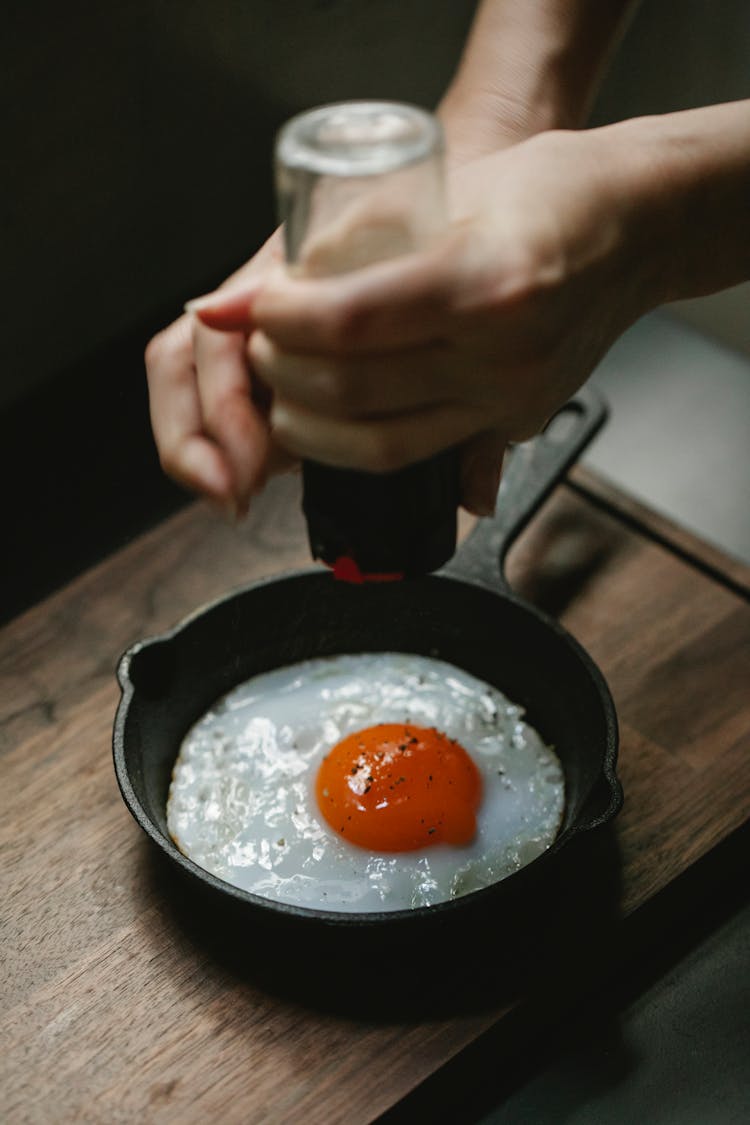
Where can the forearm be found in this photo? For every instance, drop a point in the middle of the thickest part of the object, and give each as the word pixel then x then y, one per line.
pixel 684 179
pixel 528 66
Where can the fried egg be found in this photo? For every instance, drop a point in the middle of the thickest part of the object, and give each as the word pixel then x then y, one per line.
pixel 374 782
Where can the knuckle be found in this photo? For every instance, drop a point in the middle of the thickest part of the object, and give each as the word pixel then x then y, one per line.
pixel 259 351
pixel 346 325
pixel 336 390
pixel 524 268
pixel 383 452
pixel 283 428
pixel 172 342
pixel 154 351
pixel 169 461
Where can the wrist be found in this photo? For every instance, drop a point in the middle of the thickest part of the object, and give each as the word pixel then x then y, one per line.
pixel 478 122
pixel 528 68
pixel 683 180
pixel 636 188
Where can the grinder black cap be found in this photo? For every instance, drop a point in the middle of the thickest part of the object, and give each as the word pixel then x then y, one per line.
pixel 379 526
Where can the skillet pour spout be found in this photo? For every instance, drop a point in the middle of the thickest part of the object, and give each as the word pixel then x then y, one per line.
pixel 465 614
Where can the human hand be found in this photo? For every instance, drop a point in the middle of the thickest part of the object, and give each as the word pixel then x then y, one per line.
pixel 521 72
pixel 208 410
pixel 476 342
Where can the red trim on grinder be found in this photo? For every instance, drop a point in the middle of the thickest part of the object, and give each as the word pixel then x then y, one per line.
pixel 345 569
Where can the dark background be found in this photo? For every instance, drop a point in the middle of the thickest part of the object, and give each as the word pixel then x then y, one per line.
pixel 138 174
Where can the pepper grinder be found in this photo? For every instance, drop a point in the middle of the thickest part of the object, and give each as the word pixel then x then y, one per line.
pixel 357 183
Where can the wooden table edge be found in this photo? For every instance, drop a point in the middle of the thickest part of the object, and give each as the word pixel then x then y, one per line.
pixel 732 572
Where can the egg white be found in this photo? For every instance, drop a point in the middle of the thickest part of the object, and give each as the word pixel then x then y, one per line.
pixel 242 799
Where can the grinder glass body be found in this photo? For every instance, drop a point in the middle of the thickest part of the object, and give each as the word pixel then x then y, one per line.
pixel 357 183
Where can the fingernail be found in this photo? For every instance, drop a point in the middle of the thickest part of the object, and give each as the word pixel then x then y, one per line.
pixel 198 303
pixel 227 311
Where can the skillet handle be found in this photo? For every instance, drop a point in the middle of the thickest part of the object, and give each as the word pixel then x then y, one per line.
pixel 531 471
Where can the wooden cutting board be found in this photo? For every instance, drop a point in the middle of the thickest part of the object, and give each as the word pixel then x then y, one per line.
pixel 113 1007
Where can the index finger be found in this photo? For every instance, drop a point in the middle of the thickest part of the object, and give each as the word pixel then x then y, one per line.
pixel 389 305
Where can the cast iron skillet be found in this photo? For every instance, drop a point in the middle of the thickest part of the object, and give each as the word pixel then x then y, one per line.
pixel 466 614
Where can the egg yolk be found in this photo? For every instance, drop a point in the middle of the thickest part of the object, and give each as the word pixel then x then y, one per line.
pixel 397 787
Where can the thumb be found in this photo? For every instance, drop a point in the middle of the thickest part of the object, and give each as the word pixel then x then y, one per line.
pixel 227 310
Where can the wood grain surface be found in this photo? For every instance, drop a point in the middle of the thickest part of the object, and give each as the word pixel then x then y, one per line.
pixel 114 1009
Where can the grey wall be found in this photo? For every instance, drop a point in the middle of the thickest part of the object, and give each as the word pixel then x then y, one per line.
pixel 138 155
